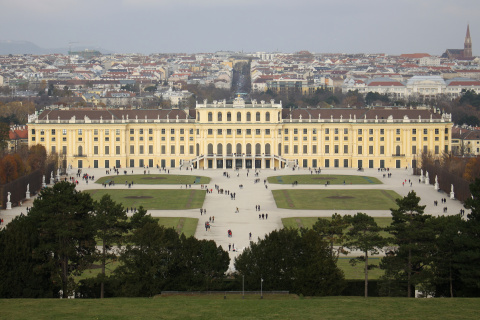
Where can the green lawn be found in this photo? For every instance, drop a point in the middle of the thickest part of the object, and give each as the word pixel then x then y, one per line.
pixel 234 307
pixel 357 272
pixel 308 222
pixel 187 226
pixel 323 178
pixel 348 199
pixel 96 270
pixel 154 179
pixel 169 199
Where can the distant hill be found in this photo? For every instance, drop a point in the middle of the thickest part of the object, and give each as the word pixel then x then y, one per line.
pixel 26 47
pixel 19 47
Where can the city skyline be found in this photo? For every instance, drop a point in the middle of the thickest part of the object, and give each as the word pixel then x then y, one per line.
pixel 150 26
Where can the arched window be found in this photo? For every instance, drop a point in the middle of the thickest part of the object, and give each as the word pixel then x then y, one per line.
pixel 210 149
pixel 267 149
pixel 219 116
pixel 267 117
pixel 257 116
pixel 239 116
pixel 249 116
pixel 210 116
pixel 249 149
pixel 229 148
pixel 198 116
pixel 80 150
pixel 397 150
pixel 239 148
pixel 229 116
pixel 219 149
pixel 258 149
pixel 198 149
pixel 278 117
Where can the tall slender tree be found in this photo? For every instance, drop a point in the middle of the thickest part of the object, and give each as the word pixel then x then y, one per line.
pixel 111 225
pixel 364 235
pixel 469 239
pixel 413 237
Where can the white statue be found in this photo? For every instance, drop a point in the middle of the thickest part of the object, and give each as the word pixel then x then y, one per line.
pixel 28 187
pixel 426 175
pixel 451 191
pixel 436 179
pixel 58 171
pixel 52 175
pixel 8 196
pixel 43 179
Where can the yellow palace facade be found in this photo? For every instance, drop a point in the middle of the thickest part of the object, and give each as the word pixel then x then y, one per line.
pixel 222 135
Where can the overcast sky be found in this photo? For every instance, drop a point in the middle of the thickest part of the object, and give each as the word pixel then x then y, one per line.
pixel 148 26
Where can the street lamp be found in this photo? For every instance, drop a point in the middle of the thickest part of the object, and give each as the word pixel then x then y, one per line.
pixel 243 287
pixel 261 288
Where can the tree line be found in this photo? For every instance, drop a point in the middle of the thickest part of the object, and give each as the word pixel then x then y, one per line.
pixel 27 160
pixel 66 232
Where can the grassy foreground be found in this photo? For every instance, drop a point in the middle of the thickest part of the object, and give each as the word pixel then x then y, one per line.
pixel 154 179
pixel 336 199
pixel 215 307
pixel 154 199
pixel 323 178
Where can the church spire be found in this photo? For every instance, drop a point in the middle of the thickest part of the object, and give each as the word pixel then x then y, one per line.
pixel 467 48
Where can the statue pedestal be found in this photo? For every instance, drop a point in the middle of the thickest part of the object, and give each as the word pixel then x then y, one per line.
pixel 27 195
pixel 9 205
pixel 44 185
pixel 427 181
pixel 452 195
pixel 437 186
pixel 422 178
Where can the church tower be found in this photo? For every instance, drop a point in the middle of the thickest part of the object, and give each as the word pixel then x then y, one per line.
pixel 467 49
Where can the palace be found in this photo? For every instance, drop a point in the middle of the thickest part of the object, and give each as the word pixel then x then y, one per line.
pixel 253 135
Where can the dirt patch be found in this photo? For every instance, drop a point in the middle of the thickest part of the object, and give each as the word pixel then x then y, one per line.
pixel 341 197
pixel 324 178
pixel 153 178
pixel 138 197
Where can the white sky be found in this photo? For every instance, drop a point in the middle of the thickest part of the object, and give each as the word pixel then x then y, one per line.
pixel 147 26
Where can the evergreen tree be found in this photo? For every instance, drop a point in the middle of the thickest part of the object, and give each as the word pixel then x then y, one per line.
pixel 414 238
pixel 445 270
pixel 111 225
pixel 332 231
pixel 25 274
pixel 286 260
pixel 66 230
pixel 148 261
pixel 468 259
pixel 364 236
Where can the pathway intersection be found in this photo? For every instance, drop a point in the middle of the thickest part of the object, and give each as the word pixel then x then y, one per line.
pixel 246 220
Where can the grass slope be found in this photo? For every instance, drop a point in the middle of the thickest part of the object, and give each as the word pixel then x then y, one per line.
pixel 154 179
pixel 323 178
pixel 349 199
pixel 154 199
pixel 234 307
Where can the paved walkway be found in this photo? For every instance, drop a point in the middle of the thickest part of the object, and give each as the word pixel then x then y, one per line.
pixel 223 208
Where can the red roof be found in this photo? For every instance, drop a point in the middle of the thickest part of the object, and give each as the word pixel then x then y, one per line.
pixel 14 134
pixel 414 55
pixel 464 83
pixel 385 84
